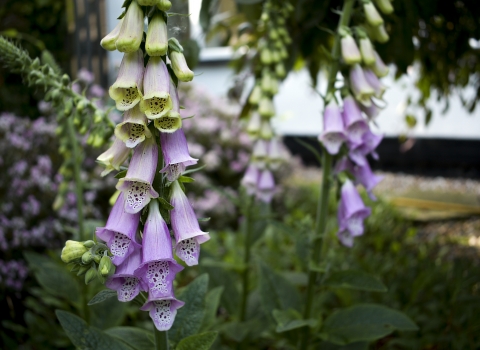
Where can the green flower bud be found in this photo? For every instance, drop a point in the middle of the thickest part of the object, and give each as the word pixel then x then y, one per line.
pixel 280 70
pixel 97 258
pixel 89 243
pixel 385 6
pixel 82 269
pixel 371 14
pixel 148 2
pixel 256 95
pixel 131 32
pixel 276 56
pixel 35 63
pixel 106 267
pixel 265 107
pixel 90 275
pixel 87 257
pixel 72 251
pixel 65 80
pixel 164 5
pixel 273 34
pixel 45 69
pixel 156 43
pixel 265 56
pixel 180 67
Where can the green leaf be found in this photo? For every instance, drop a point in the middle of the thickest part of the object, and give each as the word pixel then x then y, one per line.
pixel 291 319
pixel 189 318
pixel 164 204
pixel 108 314
pixel 205 15
pixel 85 337
pixel 355 279
pixel 276 292
pixel 203 219
pixel 186 179
pixel 194 169
pixel 212 301
pixel 121 174
pixel 364 322
pixel 101 296
pixel 202 341
pixel 311 149
pixel 137 338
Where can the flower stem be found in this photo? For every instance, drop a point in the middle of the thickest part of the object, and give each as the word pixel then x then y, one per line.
pixel 77 178
pixel 322 208
pixel 246 259
pixel 161 339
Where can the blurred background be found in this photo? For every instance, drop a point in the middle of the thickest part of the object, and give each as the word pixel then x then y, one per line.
pixel 422 241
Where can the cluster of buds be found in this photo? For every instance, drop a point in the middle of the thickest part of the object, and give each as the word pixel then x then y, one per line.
pixel 346 131
pixel 150 194
pixel 272 54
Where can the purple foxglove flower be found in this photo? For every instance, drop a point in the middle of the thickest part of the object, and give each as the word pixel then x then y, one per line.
pixel 364 175
pixel 134 128
pixel 113 157
pixel 175 154
pixel 131 32
pixel 156 43
pixel 126 91
pixel 333 134
pixel 371 14
pixel 156 101
pixel 250 179
pixel 343 164
pixel 162 311
pixel 354 122
pixel 137 184
pixel 375 83
pixel 108 42
pixel 124 281
pixel 367 51
pixel 158 268
pixel 379 67
pixel 385 6
pixel 359 85
pixel 180 67
pixel 275 155
pixel 358 152
pixel 265 186
pixel 351 213
pixel 120 231
pixel 188 235
pixel 372 112
pixel 254 125
pixel 171 121
pixel 350 53
pixel 260 153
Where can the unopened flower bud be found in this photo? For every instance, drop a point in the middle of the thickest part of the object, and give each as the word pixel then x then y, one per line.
pixel 350 53
pixel 90 275
pixel 371 14
pixel 276 57
pixel 89 243
pixel 273 34
pixel 266 131
pixel 265 107
pixel 131 32
pixel 380 34
pixel 36 63
pixel 97 259
pixel 164 5
pixel 265 56
pixel 254 124
pixel 148 2
pixel 87 257
pixel 72 251
pixel 385 6
pixel 106 267
pixel 280 70
pixel 367 51
pixel 180 67
pixel 82 269
pixel 65 80
pixel 379 68
pixel 156 43
pixel 108 42
pixel 256 95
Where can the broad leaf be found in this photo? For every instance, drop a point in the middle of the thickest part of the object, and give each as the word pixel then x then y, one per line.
pixel 137 338
pixel 102 296
pixel 291 319
pixel 212 301
pixel 85 337
pixel 355 279
pixel 108 314
pixel 189 318
pixel 202 341
pixel 364 322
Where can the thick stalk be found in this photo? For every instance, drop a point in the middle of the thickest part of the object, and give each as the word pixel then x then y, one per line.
pixel 246 259
pixel 322 208
pixel 77 178
pixel 161 339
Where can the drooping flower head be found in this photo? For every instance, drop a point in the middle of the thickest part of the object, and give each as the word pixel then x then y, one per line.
pixel 137 184
pixel 379 67
pixel 367 51
pixel 188 235
pixel 131 33
pixel 124 280
pixel 354 122
pixel 358 152
pixel 156 101
pixel 175 154
pixel 126 91
pixel 113 157
pixel 134 128
pixel 162 311
pixel 260 153
pixel 156 43
pixel 171 121
pixel 371 14
pixel 250 179
pixel 108 42
pixel 120 231
pixel 180 67
pixel 350 53
pixel 364 176
pixel 265 186
pixel 333 134
pixel 375 83
pixel 359 85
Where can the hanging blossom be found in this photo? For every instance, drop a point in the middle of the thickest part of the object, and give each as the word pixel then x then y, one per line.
pixel 347 133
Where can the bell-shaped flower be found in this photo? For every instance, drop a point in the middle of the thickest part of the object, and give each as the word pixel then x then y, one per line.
pixel 367 51
pixel 124 280
pixel 179 66
pixel 113 157
pixel 188 235
pixel 260 153
pixel 353 120
pixel 364 176
pixel 333 134
pixel 358 152
pixel 156 101
pixel 131 32
pixel 385 6
pixel 254 125
pixel 375 83
pixel 156 43
pixel 265 186
pixel 372 111
pixel 343 164
pixel 158 268
pixel 108 42
pixel 371 14
pixel 359 85
pixel 162 311
pixel 379 67
pixel 171 121
pixel 350 53
pixel 176 154
pixel 275 154
pixel 119 232
pixel 137 184
pixel 126 91
pixel 351 213
pixel 265 107
pixel 250 179
pixel 266 131
pixel 134 128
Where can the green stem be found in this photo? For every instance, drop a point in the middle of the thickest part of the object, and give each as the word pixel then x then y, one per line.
pixel 161 339
pixel 246 259
pixel 77 178
pixel 322 208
